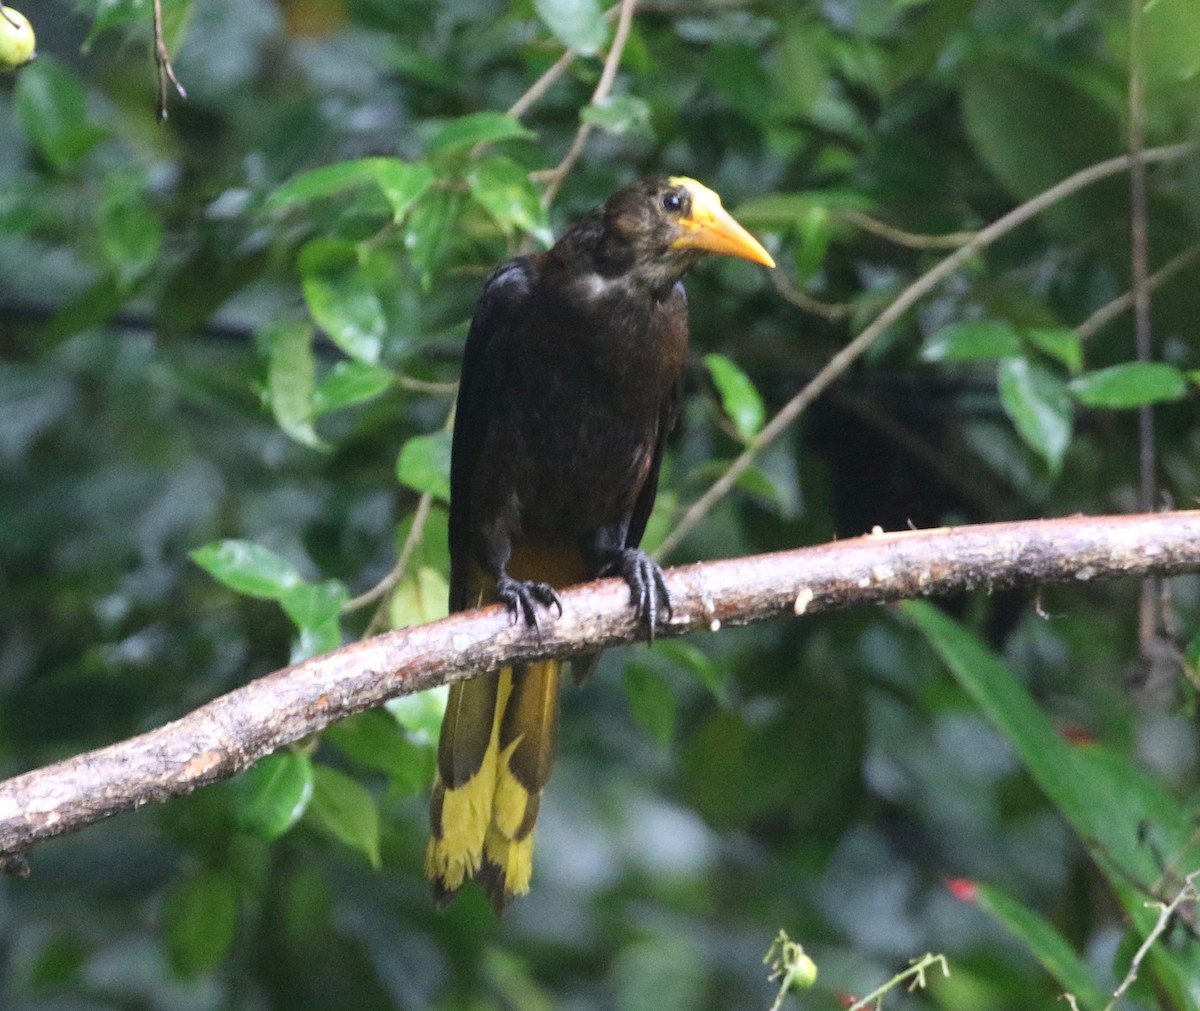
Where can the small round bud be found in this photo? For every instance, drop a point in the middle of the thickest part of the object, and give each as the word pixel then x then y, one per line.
pixel 803 971
pixel 17 40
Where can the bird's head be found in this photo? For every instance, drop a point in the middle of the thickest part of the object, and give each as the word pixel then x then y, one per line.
pixel 661 225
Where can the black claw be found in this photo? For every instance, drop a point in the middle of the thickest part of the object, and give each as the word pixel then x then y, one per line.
pixel 647 587
pixel 520 598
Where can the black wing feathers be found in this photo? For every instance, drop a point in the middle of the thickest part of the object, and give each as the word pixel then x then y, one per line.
pixel 502 304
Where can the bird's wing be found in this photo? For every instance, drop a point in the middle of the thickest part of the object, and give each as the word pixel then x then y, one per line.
pixel 645 500
pixel 666 421
pixel 506 296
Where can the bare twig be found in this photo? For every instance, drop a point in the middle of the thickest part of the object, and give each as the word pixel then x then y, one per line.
pixel 543 84
pixel 1139 246
pixel 914 975
pixel 414 385
pixel 841 361
pixel 1122 303
pixel 388 582
pixel 1166 911
pixel 831 311
pixel 608 77
pixel 162 64
pixel 234 731
pixel 415 533
pixel 910 240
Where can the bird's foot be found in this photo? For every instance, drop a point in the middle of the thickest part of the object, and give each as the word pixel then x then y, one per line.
pixel 647 588
pixel 521 598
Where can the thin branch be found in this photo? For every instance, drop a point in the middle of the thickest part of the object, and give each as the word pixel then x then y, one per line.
pixel 1123 303
pixel 1166 911
pixel 538 89
pixel 832 311
pixel 234 731
pixel 608 77
pixel 1139 252
pixel 910 240
pixel 841 361
pixel 414 385
pixel 1139 242
pixel 162 64
pixel 914 973
pixel 415 534
pixel 388 582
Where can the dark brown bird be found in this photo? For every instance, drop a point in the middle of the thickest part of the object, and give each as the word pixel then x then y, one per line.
pixel 570 383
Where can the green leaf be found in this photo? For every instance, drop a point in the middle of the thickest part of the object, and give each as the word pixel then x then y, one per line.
pixel 402 183
pixel 577 24
pixel 1033 126
pixel 1101 794
pixel 342 299
pixel 739 397
pixel 756 483
pixel 376 740
pixel 422 596
pixel 696 662
pixel 421 713
pixel 315 610
pixel 1170 43
pixel 477 128
pixel 130 234
pixel 652 702
pixel 972 340
pixel 108 14
pixel 313 640
pixel 326 181
pixel 290 371
pixel 247 568
pixel 349 383
pixel 200 917
pixel 1046 944
pixel 1130 385
pixel 52 107
pixel 273 795
pixel 311 605
pixel 814 235
pixel 343 809
pixel 431 222
pixel 502 188
pixel 424 464
pixel 1037 403
pixel 620 115
pixel 1058 342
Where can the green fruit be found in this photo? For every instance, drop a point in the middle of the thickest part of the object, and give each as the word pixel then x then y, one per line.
pixel 17 40
pixel 803 971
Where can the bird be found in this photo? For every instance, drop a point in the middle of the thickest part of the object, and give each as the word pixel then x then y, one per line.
pixel 571 379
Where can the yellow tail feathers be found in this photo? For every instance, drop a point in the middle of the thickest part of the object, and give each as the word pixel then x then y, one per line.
pixel 494 758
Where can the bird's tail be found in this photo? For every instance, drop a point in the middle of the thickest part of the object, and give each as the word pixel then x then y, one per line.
pixel 495 755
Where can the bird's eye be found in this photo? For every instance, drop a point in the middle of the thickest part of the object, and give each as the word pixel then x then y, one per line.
pixel 672 202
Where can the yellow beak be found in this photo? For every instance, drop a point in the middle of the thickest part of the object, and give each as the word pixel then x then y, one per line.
pixel 710 227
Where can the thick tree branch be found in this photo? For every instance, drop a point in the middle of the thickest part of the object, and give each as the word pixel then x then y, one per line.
pixel 232 732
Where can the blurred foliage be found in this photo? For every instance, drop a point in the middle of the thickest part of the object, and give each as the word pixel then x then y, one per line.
pixel 228 349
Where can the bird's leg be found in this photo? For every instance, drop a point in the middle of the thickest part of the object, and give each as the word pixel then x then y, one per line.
pixel 647 588
pixel 520 597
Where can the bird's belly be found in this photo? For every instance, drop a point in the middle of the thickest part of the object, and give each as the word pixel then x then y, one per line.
pixel 590 465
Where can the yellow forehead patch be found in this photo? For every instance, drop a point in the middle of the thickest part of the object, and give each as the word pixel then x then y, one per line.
pixel 705 203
